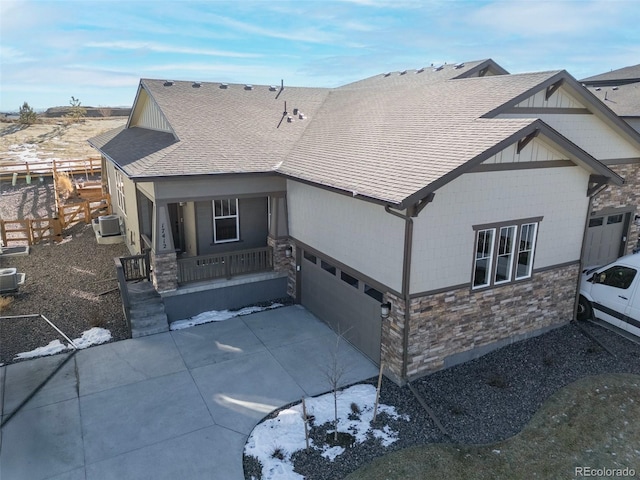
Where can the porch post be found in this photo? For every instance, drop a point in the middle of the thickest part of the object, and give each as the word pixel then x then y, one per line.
pixel 163 256
pixel 280 243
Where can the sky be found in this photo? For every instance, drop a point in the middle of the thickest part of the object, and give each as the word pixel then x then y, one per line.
pixel 97 50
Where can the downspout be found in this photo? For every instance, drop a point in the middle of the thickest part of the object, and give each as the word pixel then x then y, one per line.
pixel 412 211
pixel 584 247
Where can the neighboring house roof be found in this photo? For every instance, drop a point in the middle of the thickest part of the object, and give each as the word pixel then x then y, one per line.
pixel 620 76
pixel 618 89
pixel 386 138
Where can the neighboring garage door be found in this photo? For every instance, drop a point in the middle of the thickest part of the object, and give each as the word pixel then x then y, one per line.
pixel 347 304
pixel 605 239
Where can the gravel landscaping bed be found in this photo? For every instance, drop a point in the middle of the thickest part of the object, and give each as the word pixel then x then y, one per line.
pixel 65 282
pixel 483 401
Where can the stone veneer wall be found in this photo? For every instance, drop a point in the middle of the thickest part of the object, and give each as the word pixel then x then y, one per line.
pixel 468 323
pixel 627 195
pixel 165 271
pixel 283 264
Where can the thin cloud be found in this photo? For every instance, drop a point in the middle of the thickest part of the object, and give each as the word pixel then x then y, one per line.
pixel 163 48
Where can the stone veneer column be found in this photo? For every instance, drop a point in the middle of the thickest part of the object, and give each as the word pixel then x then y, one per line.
pixel 283 264
pixel 624 196
pixel 469 322
pixel 165 271
pixel 392 338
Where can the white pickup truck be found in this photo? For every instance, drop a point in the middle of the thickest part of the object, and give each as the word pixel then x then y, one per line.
pixel 612 293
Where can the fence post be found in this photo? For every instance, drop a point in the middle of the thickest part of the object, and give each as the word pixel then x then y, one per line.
pixel 56 226
pixel 30 236
pixel 87 212
pixel 3 232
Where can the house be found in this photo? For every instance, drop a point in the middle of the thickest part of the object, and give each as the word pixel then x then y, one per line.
pixel 428 215
pixel 614 229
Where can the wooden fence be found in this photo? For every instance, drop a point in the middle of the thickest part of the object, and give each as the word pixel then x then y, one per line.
pixel 48 168
pixel 32 231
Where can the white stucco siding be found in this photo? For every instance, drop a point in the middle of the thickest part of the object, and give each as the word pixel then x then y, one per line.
pixel 588 132
pixel 357 233
pixel 128 215
pixel 443 246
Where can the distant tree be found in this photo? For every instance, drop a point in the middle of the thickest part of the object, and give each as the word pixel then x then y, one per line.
pixel 77 112
pixel 27 115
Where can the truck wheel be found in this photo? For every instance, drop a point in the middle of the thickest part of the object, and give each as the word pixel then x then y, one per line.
pixel 585 311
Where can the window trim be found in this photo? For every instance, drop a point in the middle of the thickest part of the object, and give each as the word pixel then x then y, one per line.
pixel 222 217
pixel 496 228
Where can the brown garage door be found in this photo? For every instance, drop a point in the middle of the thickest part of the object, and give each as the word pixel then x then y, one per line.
pixel 346 303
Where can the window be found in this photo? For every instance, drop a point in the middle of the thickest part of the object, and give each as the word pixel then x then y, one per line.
pixel 327 267
pixel 617 276
pixel 349 279
pixel 373 293
pixel 611 219
pixel 310 257
pixel 499 258
pixel 525 250
pixel 120 198
pixel 225 221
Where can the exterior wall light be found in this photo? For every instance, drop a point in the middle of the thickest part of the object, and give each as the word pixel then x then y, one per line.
pixel 385 309
pixel 636 220
pixel 288 251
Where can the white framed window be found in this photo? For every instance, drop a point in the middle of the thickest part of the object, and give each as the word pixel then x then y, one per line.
pixel 498 259
pixel 226 221
pixel 120 197
pixel 526 247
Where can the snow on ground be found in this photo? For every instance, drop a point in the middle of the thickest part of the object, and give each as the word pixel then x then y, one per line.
pixel 285 432
pixel 218 316
pixel 94 336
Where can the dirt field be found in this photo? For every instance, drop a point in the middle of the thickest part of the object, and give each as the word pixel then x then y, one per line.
pixel 52 138
pixel 72 283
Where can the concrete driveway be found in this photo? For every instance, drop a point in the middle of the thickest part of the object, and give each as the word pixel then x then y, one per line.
pixel 172 405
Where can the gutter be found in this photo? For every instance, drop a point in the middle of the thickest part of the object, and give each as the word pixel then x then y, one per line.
pixel 412 211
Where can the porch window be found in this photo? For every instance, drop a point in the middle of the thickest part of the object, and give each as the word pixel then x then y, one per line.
pixel 225 220
pixel 120 198
pixel 498 258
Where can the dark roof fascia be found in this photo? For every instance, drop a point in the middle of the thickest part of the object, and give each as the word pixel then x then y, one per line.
pixel 173 132
pixel 489 63
pixel 341 191
pixel 536 126
pixel 168 178
pixel 609 83
pixel 593 101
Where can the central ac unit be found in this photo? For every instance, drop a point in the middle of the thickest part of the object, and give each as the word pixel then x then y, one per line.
pixel 109 225
pixel 8 279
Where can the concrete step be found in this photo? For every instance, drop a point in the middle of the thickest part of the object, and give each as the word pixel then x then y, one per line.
pixel 143 322
pixel 147 309
pixel 143 332
pixel 141 290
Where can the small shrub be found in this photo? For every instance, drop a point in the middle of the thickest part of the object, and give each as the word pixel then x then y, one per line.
pixel 278 453
pixel 5 302
pixel 355 412
pixel 27 115
pixel 64 185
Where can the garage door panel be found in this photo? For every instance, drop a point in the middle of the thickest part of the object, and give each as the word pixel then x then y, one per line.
pixel 604 239
pixel 348 310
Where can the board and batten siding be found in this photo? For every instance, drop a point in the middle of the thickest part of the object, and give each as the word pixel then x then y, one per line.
pixel 444 239
pixel 560 99
pixel 357 233
pixel 147 114
pixel 589 133
pixel 535 151
pixel 210 187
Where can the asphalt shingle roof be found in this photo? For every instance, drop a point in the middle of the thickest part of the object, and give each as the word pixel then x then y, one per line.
pixel 621 75
pixel 385 138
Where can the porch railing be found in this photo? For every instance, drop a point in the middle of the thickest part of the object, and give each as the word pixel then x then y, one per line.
pixel 224 265
pixel 136 267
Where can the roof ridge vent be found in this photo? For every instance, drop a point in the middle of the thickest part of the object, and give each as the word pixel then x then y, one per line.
pixel 438 68
pixel 224 85
pixel 614 88
pixel 168 83
pixel 403 72
pixel 273 88
pixel 387 74
pixel 458 66
pixel 196 84
pixel 248 87
pixel 420 70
